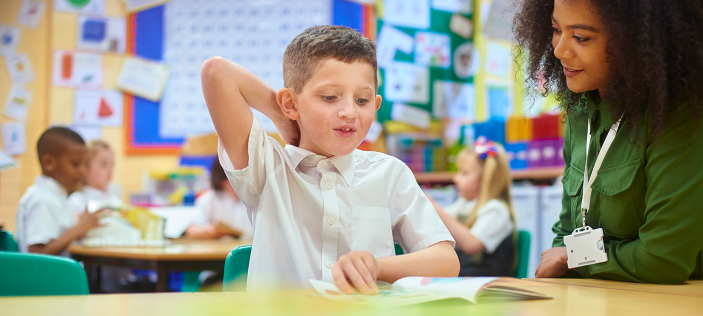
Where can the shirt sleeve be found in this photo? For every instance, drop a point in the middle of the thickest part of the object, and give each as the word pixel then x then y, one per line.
pixel 78 202
pixel 205 212
pixel 416 224
pixel 40 225
pixel 563 226
pixel 493 225
pixel 670 239
pixel 264 154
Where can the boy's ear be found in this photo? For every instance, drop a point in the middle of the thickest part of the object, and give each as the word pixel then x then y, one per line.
pixel 378 101
pixel 287 100
pixel 48 162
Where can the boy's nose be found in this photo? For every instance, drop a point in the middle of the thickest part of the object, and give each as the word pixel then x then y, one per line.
pixel 348 110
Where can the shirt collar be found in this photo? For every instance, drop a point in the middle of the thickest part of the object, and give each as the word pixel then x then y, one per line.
pixel 344 164
pixel 49 184
pixel 607 119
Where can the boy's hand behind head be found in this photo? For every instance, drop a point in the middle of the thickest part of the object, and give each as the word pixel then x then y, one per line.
pixel 288 130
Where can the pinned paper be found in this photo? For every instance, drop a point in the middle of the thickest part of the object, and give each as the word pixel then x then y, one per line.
pixel 456 6
pixel 411 115
pixel 31 13
pixel 408 13
pixel 498 59
pixel 76 69
pixel 13 138
pixel 432 49
pixel 453 99
pixel 389 41
pixel 461 26
pixel 406 82
pixel 143 78
pixel 20 69
pixel 6 162
pixel 88 133
pixel 374 132
pixel 499 101
pixel 18 102
pixel 80 6
pixel 103 35
pixel 98 108
pixel 9 38
pixel 467 61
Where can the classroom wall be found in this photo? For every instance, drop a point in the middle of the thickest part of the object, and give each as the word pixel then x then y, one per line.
pixel 54 105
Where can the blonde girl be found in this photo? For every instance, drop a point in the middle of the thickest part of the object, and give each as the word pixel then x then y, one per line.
pixel 99 162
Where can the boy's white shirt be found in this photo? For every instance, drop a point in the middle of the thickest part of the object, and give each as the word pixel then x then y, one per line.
pixel 493 223
pixel 219 206
pixel 43 214
pixel 308 210
pixel 79 199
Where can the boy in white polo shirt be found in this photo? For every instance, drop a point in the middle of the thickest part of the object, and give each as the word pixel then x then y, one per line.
pixel 45 219
pixel 321 209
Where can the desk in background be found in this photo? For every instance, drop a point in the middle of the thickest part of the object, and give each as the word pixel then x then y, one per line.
pixel 181 255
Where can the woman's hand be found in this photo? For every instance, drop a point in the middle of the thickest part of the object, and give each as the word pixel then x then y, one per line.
pixel 553 263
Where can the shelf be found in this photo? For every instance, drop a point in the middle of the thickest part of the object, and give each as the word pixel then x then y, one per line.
pixel 533 174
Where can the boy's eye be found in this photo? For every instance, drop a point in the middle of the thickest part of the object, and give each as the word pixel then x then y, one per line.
pixel 329 97
pixel 362 101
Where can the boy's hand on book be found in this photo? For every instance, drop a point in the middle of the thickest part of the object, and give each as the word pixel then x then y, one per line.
pixel 88 221
pixel 553 263
pixel 357 269
pixel 288 130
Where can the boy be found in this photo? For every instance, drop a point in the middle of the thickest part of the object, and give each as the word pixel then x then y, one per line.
pixel 321 209
pixel 45 217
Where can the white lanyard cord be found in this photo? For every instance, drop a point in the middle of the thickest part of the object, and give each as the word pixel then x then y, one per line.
pixel 586 200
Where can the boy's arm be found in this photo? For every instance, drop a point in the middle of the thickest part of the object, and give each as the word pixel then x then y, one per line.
pixel 229 91
pixel 86 222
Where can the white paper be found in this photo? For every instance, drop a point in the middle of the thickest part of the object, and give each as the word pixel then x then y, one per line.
pixel 178 218
pixel 408 13
pixel 76 69
pixel 20 69
pixel 457 6
pixel 31 13
pixel 137 5
pixel 13 138
pixel 144 78
pixel 432 49
pixel 88 133
pixel 406 82
pixel 90 6
pixel 9 38
pixel 453 99
pixel 467 61
pixel 98 108
pixel 461 26
pixel 498 60
pixel 18 102
pixel 101 35
pixel 389 41
pixel 374 132
pixel 6 162
pixel 411 115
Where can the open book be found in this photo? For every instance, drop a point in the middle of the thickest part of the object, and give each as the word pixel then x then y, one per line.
pixel 414 290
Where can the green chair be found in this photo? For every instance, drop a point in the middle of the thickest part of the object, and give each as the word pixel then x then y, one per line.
pixel 523 253
pixel 7 243
pixel 25 274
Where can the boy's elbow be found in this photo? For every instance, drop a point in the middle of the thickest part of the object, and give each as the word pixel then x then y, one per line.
pixel 211 66
pixel 451 265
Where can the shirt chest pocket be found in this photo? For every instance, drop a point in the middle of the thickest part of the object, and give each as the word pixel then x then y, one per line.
pixel 616 202
pixel 372 231
pixel 573 182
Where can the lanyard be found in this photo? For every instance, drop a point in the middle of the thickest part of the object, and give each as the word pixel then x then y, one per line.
pixel 586 200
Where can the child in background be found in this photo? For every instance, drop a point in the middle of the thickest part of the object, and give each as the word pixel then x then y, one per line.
pixel 222 213
pixel 45 218
pixel 482 220
pixel 99 162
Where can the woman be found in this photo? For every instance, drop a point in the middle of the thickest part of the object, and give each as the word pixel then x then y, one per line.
pixel 640 63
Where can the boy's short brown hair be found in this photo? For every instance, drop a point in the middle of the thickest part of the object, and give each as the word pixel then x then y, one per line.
pixel 317 43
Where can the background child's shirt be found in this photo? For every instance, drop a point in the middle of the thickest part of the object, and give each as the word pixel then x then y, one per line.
pixel 79 199
pixel 309 210
pixel 43 214
pixel 493 223
pixel 219 206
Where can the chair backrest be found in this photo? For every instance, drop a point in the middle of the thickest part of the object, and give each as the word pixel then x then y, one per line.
pixel 523 253
pixel 25 274
pixel 7 242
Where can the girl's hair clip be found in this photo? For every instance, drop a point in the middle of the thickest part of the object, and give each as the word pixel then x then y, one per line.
pixel 485 148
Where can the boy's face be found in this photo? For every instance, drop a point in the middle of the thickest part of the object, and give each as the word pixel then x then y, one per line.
pixel 67 168
pixel 336 107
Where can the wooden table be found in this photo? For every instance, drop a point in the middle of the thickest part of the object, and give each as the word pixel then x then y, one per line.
pixel 180 255
pixel 583 297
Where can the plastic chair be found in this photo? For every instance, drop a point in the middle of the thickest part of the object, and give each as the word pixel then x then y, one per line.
pixel 7 242
pixel 25 274
pixel 523 253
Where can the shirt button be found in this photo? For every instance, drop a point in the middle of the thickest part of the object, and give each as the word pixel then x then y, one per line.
pixel 328 184
pixel 329 264
pixel 330 220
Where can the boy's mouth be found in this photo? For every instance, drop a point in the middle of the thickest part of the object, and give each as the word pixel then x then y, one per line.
pixel 345 130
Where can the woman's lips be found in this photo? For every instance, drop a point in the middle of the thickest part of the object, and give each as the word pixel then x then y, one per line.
pixel 571 72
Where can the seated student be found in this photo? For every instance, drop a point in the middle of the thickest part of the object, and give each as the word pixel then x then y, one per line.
pixel 99 162
pixel 45 218
pixel 482 220
pixel 321 209
pixel 222 213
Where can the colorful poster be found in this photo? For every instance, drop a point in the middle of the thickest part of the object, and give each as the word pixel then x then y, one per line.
pixel 13 138
pixel 498 60
pixel 407 13
pixel 389 41
pixel 406 82
pixel 456 6
pixel 461 26
pixel 454 99
pixel 76 69
pixel 31 13
pixel 98 108
pixel 96 7
pixel 101 35
pixel 411 115
pixel 9 38
pixel 18 102
pixel 467 61
pixel 19 68
pixel 433 49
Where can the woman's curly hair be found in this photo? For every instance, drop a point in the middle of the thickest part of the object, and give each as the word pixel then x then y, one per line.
pixel 655 50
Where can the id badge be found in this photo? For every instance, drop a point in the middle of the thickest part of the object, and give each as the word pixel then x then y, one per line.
pixel 585 247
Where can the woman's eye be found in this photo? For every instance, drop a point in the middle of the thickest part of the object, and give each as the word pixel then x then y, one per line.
pixel 362 101
pixel 329 97
pixel 580 39
pixel 556 30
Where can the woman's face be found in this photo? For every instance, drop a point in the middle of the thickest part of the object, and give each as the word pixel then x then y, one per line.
pixel 468 177
pixel 100 170
pixel 580 43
